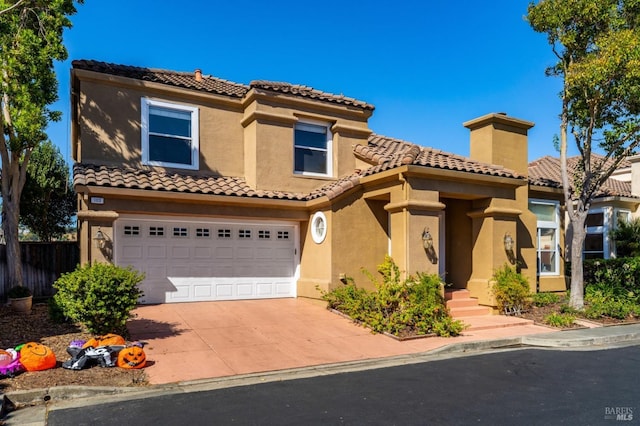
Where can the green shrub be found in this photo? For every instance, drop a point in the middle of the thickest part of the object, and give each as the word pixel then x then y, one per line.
pixel 559 320
pixel 545 298
pixel 602 300
pixel 566 309
pixel 99 296
pixel 626 237
pixel 411 306
pixel 621 275
pixel 55 312
pixel 511 290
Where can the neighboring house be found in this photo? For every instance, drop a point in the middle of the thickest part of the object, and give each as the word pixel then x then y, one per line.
pixel 218 190
pixel 613 203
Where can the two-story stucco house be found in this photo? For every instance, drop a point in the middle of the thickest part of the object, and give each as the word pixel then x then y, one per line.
pixel 218 190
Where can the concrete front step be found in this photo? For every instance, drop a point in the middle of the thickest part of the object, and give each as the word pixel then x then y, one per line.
pixel 458 293
pixel 488 322
pixel 462 303
pixel 470 311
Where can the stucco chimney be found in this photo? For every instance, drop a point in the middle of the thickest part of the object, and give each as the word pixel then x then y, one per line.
pixel 198 74
pixel 499 139
pixel 635 174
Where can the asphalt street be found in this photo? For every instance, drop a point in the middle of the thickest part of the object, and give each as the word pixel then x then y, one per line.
pixel 525 386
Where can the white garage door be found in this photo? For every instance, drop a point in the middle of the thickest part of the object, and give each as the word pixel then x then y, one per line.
pixel 187 261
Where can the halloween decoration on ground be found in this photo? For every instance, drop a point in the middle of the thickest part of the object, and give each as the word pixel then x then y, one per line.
pixel 106 340
pixel 37 357
pixel 132 356
pixel 9 363
pixel 109 353
pixel 81 358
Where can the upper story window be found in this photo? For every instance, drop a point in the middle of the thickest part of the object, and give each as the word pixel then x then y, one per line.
pixel 548 246
pixel 169 134
pixel 312 149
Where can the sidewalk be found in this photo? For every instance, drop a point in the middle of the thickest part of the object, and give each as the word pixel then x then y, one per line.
pixel 407 352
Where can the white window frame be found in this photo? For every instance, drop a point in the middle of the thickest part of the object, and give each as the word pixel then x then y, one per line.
pixel 602 230
pixel 616 212
pixel 329 150
pixel 549 225
pixel 318 227
pixel 146 104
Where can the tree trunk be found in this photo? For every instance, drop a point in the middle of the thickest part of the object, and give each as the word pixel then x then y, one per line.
pixel 576 300
pixel 10 228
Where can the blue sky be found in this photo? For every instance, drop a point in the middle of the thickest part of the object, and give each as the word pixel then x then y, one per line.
pixel 426 66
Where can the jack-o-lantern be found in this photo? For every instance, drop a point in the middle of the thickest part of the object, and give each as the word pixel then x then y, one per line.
pixel 106 340
pixel 132 357
pixel 36 357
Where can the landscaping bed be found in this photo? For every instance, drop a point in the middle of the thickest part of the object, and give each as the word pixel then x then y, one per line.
pixel 16 328
pixel 538 314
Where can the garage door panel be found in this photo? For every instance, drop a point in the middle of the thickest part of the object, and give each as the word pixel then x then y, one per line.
pixel 263 253
pixel 245 289
pixel 224 253
pixel 202 291
pixel 244 253
pixel 224 290
pixel 283 288
pixel 264 288
pixel 132 252
pixel 156 252
pixel 202 252
pixel 189 261
pixel 201 271
pixel 180 252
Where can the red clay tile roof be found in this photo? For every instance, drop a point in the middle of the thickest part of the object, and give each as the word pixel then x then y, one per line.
pixel 210 84
pixel 308 92
pixel 385 154
pixel 546 172
pixel 185 80
pixel 388 153
pixel 93 175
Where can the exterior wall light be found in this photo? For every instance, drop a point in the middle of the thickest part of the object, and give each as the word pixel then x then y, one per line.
pixel 427 239
pixel 509 244
pixel 99 239
pixel 3 241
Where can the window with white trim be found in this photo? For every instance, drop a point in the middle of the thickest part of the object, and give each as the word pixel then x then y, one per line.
pixel 596 240
pixel 312 149
pixel 599 224
pixel 169 134
pixel 547 243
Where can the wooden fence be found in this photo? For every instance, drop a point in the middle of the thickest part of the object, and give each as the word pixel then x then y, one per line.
pixel 42 264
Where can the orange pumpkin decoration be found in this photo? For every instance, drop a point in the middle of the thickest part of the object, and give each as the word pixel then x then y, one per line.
pixel 132 357
pixel 106 340
pixel 37 357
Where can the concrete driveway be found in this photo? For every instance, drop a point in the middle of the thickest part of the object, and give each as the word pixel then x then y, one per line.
pixel 190 341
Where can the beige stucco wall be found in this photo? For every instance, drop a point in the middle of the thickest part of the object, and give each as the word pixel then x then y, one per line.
pixel 109 127
pixel 271 120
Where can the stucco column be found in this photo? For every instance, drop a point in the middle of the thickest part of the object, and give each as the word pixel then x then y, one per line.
pixel 490 226
pixel 90 222
pixel 409 220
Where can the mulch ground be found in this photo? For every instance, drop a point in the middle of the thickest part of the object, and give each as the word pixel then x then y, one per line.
pixel 539 313
pixel 17 328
